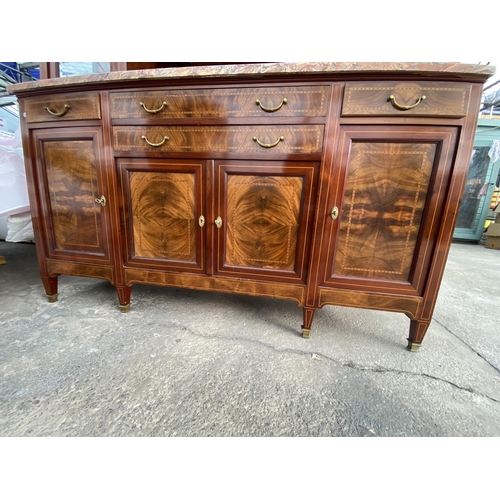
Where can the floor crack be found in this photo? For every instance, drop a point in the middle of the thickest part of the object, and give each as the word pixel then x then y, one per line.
pixel 379 369
pixel 350 364
pixel 465 343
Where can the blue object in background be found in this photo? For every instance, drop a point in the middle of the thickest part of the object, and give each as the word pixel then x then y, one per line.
pixel 9 68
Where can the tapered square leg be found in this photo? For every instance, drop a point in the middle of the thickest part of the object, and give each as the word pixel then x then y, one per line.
pixel 308 318
pixel 50 285
pixel 418 329
pixel 124 298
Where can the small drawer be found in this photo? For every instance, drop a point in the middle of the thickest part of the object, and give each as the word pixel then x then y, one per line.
pixel 63 107
pixel 299 139
pixel 406 99
pixel 225 102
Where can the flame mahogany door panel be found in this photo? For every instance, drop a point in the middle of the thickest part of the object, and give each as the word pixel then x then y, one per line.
pixel 72 194
pixel 390 211
pixel 162 205
pixel 265 211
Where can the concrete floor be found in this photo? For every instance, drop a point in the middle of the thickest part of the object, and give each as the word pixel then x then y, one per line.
pixel 189 363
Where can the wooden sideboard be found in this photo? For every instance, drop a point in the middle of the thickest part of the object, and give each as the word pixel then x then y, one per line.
pixel 323 183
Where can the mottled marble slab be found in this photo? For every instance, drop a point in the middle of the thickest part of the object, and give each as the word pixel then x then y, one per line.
pixel 473 71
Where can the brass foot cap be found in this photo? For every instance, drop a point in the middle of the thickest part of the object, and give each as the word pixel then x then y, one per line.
pixel 3 260
pixel 413 346
pixel 53 298
pixel 306 333
pixel 125 309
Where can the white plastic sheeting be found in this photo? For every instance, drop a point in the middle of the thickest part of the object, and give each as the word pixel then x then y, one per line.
pixel 14 200
pixel 13 190
pixel 20 228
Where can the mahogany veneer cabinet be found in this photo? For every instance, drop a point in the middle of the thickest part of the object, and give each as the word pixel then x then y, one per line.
pixel 323 183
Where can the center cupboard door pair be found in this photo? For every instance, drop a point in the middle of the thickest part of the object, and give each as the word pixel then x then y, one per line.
pixel 388 199
pixel 253 221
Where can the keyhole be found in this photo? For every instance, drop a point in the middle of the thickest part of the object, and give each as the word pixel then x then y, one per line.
pixel 263 203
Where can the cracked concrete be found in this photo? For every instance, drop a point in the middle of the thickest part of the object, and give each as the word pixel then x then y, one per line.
pixel 190 363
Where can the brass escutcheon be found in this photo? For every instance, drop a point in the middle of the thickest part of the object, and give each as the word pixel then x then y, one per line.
pixel 334 213
pixel 101 201
pixel 218 222
pixel 201 221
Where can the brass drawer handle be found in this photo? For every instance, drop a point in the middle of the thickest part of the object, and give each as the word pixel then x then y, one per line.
pixel 153 111
pixel 61 113
pixel 404 108
pixel 218 222
pixel 271 110
pixel 155 144
pixel 263 145
pixel 101 201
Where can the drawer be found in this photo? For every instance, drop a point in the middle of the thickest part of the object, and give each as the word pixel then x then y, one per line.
pixel 300 139
pixel 60 107
pixel 406 98
pixel 221 102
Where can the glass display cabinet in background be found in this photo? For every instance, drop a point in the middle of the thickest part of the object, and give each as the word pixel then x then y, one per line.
pixel 482 179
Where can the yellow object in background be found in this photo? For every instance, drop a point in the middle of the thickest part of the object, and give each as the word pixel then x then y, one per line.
pixel 494 203
pixel 495 199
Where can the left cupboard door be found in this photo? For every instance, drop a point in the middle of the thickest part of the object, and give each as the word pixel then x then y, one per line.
pixel 163 215
pixel 71 190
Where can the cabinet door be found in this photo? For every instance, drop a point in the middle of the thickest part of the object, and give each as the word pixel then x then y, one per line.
pixel 163 214
pixel 264 218
pixel 389 211
pixel 72 193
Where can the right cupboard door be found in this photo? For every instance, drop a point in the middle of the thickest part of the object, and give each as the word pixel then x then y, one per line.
pixel 265 213
pixel 384 222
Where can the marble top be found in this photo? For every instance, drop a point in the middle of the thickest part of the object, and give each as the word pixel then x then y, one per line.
pixel 460 70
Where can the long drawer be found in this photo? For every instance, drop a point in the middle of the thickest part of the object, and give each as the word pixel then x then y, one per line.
pixel 406 98
pixel 300 139
pixel 221 102
pixel 63 107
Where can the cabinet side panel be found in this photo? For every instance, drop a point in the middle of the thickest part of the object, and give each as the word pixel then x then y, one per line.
pixel 384 201
pixel 73 189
